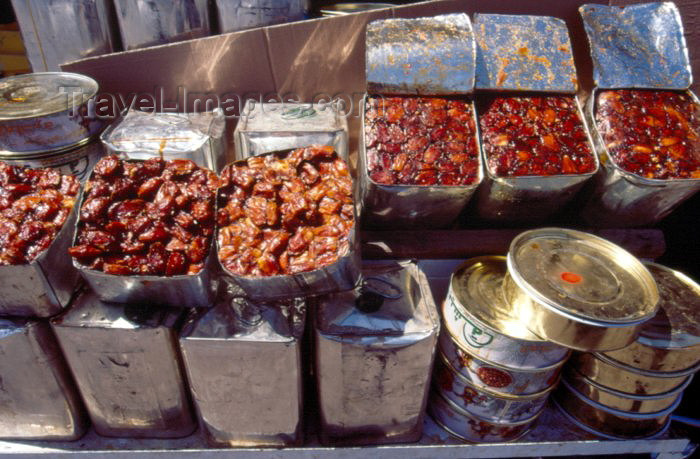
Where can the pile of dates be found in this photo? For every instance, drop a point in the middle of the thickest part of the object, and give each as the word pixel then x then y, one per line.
pixel 152 217
pixel 34 205
pixel 539 135
pixel 284 213
pixel 654 134
pixel 420 141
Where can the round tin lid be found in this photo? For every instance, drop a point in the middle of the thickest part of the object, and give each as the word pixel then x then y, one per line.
pixel 583 276
pixel 677 324
pixel 37 94
pixel 478 287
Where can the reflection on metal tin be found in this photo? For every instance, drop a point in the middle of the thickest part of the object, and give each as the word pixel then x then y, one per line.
pixel 373 368
pixel 622 378
pixel 58 31
pixel 471 428
pixel 244 14
pixel 145 23
pixel 77 161
pixel 126 364
pixel 578 290
pixel 37 395
pixel 426 56
pixel 523 53
pixel 479 319
pixel 638 46
pixel 243 361
pixel 609 421
pixel 195 136
pixel 482 402
pixel 341 9
pixel 281 126
pixel 671 340
pixel 42 112
pixel 44 287
pixel 495 377
pixel 620 400
pixel 618 198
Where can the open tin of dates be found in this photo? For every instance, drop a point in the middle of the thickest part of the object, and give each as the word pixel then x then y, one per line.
pixel 419 159
pixel 536 148
pixel 305 246
pixel 131 223
pixel 645 121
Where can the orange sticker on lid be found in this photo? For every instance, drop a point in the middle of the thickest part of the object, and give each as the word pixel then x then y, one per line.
pixel 571 278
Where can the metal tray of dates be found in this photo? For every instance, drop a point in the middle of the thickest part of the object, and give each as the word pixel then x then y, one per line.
pixel 273 275
pixel 178 290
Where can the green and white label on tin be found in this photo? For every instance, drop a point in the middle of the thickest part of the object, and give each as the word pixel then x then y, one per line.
pixel 474 335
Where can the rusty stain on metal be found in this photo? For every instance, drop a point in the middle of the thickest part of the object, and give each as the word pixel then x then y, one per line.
pixel 523 53
pixel 639 46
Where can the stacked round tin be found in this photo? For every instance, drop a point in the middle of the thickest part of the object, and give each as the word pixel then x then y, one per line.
pixel 493 376
pixel 631 392
pixel 45 121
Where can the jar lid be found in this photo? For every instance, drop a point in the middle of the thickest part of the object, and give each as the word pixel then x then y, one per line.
pixel 37 94
pixel 583 276
pixel 478 287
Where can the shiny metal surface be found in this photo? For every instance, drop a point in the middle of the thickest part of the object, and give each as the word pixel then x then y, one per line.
pixel 341 9
pixel 671 340
pixel 38 399
pixel 373 369
pixel 77 161
pixel 410 206
pixel 426 56
pixel 42 112
pixel 482 402
pixel 529 198
pixel 478 317
pixel 638 46
pixel 620 199
pixel 244 14
pixel 126 364
pixel 58 31
pixel 243 362
pixel 494 376
pixel 283 126
pixel 195 136
pixel 471 428
pixel 622 378
pixel 610 421
pixel 523 53
pixel 620 400
pixel 44 287
pixel 145 23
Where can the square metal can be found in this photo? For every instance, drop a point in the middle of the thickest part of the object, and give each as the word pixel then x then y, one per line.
pixel 38 397
pixel 373 368
pixel 126 363
pixel 243 361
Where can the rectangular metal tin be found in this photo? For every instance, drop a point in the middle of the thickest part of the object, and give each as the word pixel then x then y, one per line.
pixel 245 14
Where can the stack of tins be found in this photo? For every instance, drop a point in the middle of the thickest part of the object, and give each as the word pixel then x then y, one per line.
pixel 631 392
pixel 493 376
pixel 46 121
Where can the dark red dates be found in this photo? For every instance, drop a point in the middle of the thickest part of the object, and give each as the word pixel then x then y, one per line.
pixel 153 217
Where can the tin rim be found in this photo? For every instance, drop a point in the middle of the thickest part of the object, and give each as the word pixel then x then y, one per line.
pixel 342 9
pixel 593 431
pixel 489 392
pixel 586 380
pixel 91 85
pixel 460 411
pixel 41 154
pixel 631 175
pixel 459 437
pixel 652 374
pixel 620 413
pixel 634 267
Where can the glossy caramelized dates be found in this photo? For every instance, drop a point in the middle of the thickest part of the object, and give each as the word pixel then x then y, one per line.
pixel 34 204
pixel 538 135
pixel 284 213
pixel 653 134
pixel 420 141
pixel 151 217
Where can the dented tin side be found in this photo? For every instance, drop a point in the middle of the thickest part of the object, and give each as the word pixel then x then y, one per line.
pixel 38 395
